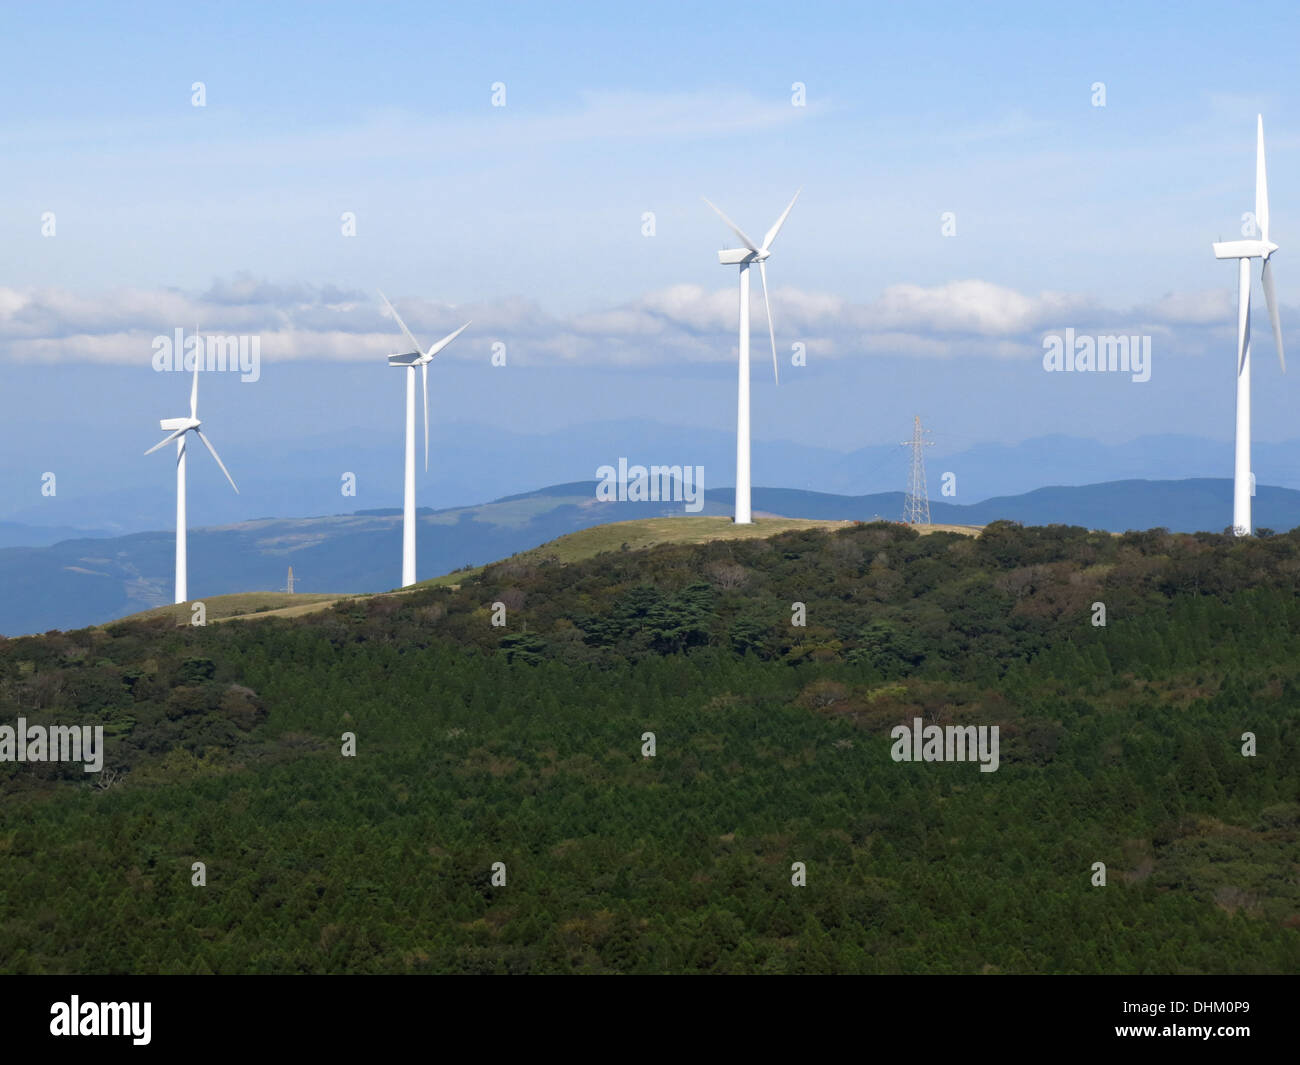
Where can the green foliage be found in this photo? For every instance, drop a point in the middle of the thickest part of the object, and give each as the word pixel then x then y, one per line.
pixel 522 745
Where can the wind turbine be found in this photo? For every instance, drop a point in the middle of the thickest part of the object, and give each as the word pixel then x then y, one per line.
pixel 182 428
pixel 411 360
pixel 1243 251
pixel 744 257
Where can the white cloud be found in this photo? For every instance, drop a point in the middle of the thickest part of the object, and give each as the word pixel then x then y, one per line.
pixel 977 307
pixel 1210 307
pixel 676 325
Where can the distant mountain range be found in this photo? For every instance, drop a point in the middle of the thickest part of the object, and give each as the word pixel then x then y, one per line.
pixel 19 534
pixel 114 488
pixel 85 581
pixel 1193 505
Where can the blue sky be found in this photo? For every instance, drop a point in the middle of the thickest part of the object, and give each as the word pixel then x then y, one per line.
pixel 384 110
pixel 528 218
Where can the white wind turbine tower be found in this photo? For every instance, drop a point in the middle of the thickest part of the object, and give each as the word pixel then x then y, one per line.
pixel 1243 251
pixel 411 360
pixel 743 257
pixel 182 428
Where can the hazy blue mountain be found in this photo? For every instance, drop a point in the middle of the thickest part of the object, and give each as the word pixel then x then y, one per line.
pixel 18 534
pixel 86 581
pixel 304 476
pixel 114 487
pixel 1192 505
pixel 83 581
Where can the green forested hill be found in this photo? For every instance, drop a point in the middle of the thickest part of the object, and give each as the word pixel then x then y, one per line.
pixel 522 744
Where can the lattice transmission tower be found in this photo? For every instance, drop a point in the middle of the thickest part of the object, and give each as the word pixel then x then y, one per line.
pixel 916 505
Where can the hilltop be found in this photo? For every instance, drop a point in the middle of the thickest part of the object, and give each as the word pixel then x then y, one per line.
pixel 588 543
pixel 90 581
pixel 644 533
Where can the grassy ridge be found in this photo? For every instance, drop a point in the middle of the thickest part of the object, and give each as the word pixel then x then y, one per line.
pixel 651 532
pixel 586 543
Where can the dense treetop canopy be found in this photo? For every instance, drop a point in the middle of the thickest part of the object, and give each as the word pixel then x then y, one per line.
pixel 522 743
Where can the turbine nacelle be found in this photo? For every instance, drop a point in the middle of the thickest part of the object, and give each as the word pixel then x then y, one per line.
pixel 420 358
pixel 1244 249
pixel 176 428
pixel 755 253
pixel 736 256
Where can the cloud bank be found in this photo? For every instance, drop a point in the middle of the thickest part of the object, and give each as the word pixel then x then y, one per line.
pixel 681 324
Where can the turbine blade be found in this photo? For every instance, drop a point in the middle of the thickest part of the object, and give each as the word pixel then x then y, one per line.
pixel 208 444
pixel 762 276
pixel 194 389
pixel 1261 183
pixel 444 342
pixel 401 324
pixel 1243 320
pixel 424 373
pixel 164 443
pixel 771 233
pixel 1270 298
pixel 734 228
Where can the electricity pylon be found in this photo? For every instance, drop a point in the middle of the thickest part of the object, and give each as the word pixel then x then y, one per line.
pixel 916 505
